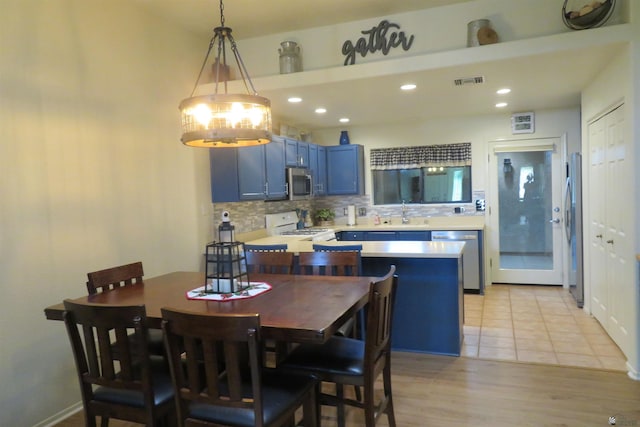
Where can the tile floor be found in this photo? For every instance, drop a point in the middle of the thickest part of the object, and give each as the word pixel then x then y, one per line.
pixel 539 324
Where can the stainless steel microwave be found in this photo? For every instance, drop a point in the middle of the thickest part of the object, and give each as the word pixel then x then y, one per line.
pixel 299 183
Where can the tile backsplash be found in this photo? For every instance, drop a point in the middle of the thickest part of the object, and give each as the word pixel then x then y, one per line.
pixel 249 216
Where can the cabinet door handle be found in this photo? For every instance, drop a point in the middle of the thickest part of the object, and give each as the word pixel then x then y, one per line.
pixel 610 241
pixel 598 236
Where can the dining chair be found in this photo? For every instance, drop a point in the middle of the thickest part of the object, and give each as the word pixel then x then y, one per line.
pixel 244 393
pixel 134 387
pixel 329 263
pixel 334 263
pixel 124 275
pixel 269 262
pixel 343 248
pixel 359 332
pixel 114 277
pixel 347 361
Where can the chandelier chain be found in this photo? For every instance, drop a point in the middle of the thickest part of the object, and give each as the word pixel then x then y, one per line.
pixel 221 14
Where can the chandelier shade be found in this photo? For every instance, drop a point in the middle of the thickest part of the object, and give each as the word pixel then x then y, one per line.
pixel 226 120
pixel 222 119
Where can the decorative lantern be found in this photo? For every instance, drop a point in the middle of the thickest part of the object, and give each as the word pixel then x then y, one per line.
pixel 226 268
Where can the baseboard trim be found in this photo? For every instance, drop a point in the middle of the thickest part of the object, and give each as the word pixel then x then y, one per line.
pixel 60 416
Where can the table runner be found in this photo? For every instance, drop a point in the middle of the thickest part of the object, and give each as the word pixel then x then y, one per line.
pixel 254 289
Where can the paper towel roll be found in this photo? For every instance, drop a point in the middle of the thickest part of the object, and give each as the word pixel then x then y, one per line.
pixel 351 215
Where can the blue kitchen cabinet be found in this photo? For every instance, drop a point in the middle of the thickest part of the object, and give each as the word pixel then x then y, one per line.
pixel 318 168
pixel 296 153
pixel 413 235
pixel 380 235
pixel 303 154
pixel 251 172
pixel 276 180
pixel 248 173
pixel 291 152
pixel 322 171
pixel 223 164
pixel 351 235
pixel 345 170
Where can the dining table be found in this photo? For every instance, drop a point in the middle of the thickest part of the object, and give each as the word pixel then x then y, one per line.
pixel 297 308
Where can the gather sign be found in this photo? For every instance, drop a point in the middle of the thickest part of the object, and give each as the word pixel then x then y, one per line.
pixel 383 37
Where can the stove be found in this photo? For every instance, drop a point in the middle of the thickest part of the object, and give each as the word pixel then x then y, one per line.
pixel 285 224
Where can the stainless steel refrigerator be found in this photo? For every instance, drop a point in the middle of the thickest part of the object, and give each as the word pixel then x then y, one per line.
pixel 573 226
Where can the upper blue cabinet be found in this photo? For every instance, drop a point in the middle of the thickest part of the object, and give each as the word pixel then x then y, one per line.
pixel 345 170
pixel 318 169
pixel 248 173
pixel 297 153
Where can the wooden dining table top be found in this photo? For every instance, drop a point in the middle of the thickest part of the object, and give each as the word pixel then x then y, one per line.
pixel 297 309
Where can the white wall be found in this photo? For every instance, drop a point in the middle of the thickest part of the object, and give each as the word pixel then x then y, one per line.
pixel 439 29
pixel 92 174
pixel 479 130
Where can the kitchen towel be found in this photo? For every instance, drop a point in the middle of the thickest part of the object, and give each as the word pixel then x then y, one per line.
pixel 351 215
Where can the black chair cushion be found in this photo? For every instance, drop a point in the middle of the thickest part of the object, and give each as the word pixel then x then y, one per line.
pixel 340 356
pixel 280 390
pixel 156 342
pixel 162 387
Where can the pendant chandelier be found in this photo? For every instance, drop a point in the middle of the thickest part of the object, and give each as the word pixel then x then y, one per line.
pixel 223 119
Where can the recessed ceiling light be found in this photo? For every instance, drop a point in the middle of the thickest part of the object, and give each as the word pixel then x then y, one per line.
pixel 408 86
pixel 501 104
pixel 344 120
pixel 321 110
pixel 503 91
pixel 294 99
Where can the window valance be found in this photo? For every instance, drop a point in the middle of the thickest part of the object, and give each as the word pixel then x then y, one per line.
pixel 422 156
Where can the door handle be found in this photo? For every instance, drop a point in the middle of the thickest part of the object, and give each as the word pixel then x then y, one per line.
pixel 555 221
pixel 598 236
pixel 610 241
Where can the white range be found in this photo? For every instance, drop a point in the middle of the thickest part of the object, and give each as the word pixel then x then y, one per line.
pixel 285 224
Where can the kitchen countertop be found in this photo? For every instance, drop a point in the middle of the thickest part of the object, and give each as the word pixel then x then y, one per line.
pixel 460 222
pixel 408 249
pixel 399 249
pixel 457 222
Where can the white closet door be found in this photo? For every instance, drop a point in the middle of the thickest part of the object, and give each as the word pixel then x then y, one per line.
pixel 611 228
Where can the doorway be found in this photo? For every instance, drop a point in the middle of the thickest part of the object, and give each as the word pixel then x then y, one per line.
pixel 525 212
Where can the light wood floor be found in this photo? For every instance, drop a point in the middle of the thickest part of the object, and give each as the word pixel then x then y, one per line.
pixel 534 335
pixel 459 391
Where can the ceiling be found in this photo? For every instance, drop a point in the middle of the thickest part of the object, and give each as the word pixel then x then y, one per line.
pixel 546 81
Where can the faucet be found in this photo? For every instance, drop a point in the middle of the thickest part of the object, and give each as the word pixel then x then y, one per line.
pixel 405 219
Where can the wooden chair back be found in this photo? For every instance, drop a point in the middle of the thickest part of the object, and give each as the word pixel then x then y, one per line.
pixel 216 365
pixel 378 324
pixel 269 262
pixel 329 263
pixel 111 278
pixel 266 248
pixel 111 387
pixel 341 248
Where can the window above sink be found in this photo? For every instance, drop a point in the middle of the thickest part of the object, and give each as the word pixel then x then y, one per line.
pixel 422 175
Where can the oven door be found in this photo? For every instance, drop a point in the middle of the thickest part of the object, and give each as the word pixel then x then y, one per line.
pixel 299 184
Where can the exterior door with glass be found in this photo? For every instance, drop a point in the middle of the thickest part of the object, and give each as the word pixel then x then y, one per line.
pixel 525 212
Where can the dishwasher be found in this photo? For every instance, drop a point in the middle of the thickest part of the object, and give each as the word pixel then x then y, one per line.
pixel 470 259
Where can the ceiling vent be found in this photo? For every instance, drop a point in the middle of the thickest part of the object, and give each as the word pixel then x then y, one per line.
pixel 469 81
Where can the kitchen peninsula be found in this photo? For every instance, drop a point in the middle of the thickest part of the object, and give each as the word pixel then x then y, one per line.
pixel 429 302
